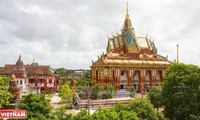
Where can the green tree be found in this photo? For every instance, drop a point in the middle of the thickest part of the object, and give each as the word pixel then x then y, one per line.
pixel 110 90
pixel 66 93
pixel 106 114
pixel 193 117
pixel 96 90
pixel 126 115
pixel 63 75
pixel 155 96
pixel 181 92
pixel 83 115
pixel 63 80
pixel 61 71
pixel 87 74
pixel 37 106
pixel 132 91
pixel 83 82
pixel 124 112
pixel 143 108
pixel 5 95
pixel 61 115
pixel 118 107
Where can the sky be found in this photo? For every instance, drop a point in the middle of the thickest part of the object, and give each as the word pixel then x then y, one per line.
pixel 72 33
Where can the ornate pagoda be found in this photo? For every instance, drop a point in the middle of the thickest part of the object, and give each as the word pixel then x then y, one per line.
pixel 14 88
pixel 130 61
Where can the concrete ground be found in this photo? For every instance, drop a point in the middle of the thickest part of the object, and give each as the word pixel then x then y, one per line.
pixel 56 102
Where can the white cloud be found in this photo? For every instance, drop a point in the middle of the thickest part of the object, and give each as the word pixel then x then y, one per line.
pixel 71 33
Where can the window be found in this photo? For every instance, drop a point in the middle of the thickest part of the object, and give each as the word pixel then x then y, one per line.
pixel 20 82
pixel 157 80
pixel 42 89
pixel 135 81
pixel 50 80
pixel 41 80
pixel 131 57
pixel 122 72
pixel 57 81
pixel 31 80
pixel 136 57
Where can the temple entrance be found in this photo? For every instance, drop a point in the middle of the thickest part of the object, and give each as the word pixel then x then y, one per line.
pixel 123 79
pixel 158 77
pixel 147 80
pixel 136 79
pixel 121 86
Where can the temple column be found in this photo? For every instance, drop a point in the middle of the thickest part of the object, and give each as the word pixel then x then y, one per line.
pixel 99 76
pixel 54 79
pixel 93 76
pixel 45 84
pixel 110 76
pixel 142 81
pixel 130 78
pixel 118 79
pixel 153 77
pixel 133 75
pixel 163 75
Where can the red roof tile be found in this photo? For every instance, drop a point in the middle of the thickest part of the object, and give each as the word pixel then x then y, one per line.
pixel 41 69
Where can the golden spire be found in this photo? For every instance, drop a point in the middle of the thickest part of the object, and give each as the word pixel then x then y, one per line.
pixel 127 16
pixel 127 22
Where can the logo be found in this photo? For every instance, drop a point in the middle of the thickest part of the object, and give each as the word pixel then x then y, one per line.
pixel 12 113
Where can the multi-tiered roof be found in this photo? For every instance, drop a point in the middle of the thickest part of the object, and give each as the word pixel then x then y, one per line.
pixel 127 48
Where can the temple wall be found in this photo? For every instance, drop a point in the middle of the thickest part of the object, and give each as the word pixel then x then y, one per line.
pixel 142 78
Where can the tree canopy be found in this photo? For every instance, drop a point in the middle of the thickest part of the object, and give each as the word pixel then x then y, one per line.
pixel 155 96
pixel 66 93
pixel 37 106
pixel 61 115
pixel 5 95
pixel 106 114
pixel 83 115
pixel 181 92
pixel 143 108
pixel 137 109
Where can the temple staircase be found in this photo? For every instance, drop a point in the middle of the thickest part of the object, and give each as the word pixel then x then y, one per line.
pixel 121 94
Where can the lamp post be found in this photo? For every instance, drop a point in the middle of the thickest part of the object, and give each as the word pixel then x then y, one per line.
pixel 89 93
pixel 88 103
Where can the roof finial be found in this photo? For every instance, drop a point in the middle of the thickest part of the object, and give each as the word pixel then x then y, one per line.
pixel 19 56
pixel 127 8
pixel 33 60
pixel 127 22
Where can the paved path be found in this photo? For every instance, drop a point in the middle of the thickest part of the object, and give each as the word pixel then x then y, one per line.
pixel 56 102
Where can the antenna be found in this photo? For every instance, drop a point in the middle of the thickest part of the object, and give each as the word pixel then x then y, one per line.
pixel 177 53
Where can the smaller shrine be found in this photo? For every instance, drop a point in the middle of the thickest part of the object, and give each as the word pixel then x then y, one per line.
pixel 14 88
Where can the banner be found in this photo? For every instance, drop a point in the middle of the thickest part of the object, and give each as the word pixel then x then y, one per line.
pixel 12 113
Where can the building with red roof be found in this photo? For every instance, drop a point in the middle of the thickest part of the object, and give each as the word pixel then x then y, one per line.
pixel 33 77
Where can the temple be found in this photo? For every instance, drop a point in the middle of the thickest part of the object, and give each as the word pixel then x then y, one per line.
pixel 34 77
pixel 130 61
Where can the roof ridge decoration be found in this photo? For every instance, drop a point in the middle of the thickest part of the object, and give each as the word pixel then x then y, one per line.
pixel 19 61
